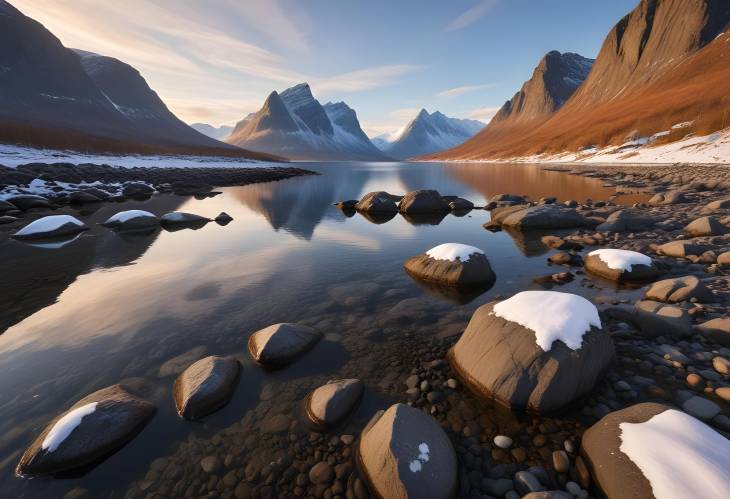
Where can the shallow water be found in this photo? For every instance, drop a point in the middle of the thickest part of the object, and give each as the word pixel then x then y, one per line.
pixel 107 308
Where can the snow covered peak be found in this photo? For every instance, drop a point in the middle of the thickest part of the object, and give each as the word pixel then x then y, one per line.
pixel 429 133
pixel 297 96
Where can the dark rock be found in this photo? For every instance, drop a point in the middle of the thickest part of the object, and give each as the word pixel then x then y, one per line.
pixel 83 197
pixel 138 190
pixel 460 204
pixel 423 201
pixel 223 218
pixel 627 220
pixel 180 218
pixel 547 216
pixel 25 202
pixel 205 386
pixel 377 202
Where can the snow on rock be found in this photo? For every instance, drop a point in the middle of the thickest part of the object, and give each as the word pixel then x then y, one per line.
pixel 453 251
pixel 679 455
pixel 126 216
pixel 64 426
pixel 551 315
pixel 48 224
pixel 618 259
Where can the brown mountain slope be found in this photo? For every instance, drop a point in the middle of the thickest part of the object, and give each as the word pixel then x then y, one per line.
pixel 661 65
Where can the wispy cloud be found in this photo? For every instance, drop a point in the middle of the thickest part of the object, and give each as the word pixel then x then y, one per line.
pixel 459 91
pixel 362 79
pixel 484 114
pixel 472 15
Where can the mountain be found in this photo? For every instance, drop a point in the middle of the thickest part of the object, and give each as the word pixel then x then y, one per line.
pixel 295 125
pixel 665 63
pixel 429 133
pixel 219 133
pixel 52 96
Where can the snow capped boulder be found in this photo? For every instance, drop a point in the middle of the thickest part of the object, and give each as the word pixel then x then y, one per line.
pixel 656 319
pixel 377 202
pixel 452 264
pixel 205 386
pixel 538 350
pixel 27 201
pixel 280 344
pixel 621 265
pixel 92 428
pixel 423 201
pixel 51 226
pixel 330 403
pixel 679 289
pixel 705 226
pixel 181 218
pixel 651 450
pixel 404 453
pixel 544 216
pixel 132 220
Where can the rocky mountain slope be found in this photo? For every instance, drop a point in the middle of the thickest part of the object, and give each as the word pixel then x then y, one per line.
pixel 217 133
pixel 664 64
pixel 55 97
pixel 295 125
pixel 429 133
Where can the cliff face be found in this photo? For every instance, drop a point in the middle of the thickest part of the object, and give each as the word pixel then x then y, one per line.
pixel 666 62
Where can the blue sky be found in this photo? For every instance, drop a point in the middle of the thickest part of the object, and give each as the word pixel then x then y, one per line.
pixel 217 60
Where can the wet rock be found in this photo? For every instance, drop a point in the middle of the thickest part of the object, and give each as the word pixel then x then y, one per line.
pixel 655 319
pixel 721 365
pixel 25 202
pixel 223 218
pixel 452 265
pixel 526 482
pixel 502 360
pixel 503 442
pixel 280 344
pixel 561 463
pixel 132 220
pixel 92 428
pixel 558 243
pixel 423 201
pixel 138 190
pixel 549 494
pixel 50 227
pixel 507 199
pixel 404 453
pixel 205 386
pixel 330 403
pixel 679 289
pixel 621 265
pixel 377 202
pixel 705 226
pixel 180 218
pixel 717 330
pixel 460 204
pixel 565 258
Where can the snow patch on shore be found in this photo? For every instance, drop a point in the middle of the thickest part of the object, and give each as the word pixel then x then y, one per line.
pixel 679 455
pixel 618 259
pixel 452 251
pixel 551 315
pixel 64 426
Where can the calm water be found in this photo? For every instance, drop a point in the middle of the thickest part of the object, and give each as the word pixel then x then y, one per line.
pixel 108 308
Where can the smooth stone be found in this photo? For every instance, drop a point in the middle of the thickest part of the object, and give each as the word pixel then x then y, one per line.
pixel 377 202
pixel 503 442
pixel 701 408
pixel 679 289
pixel 717 330
pixel 682 249
pixel 626 220
pixel 561 463
pixel 321 472
pixel 25 202
pixel 423 201
pixel 62 225
pixel 205 386
pixel 181 218
pixel 330 403
pixel 656 319
pixel 721 365
pixel 476 271
pixel 546 216
pixel 210 464
pixel 526 482
pixel 705 226
pixel 281 344
pixel 223 218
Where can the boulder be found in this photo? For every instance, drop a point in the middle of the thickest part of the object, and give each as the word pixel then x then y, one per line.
pixel 679 289
pixel 5 207
pixel 330 403
pixel 545 216
pixel 667 198
pixel 181 218
pixel 377 202
pixel 97 193
pixel 83 197
pixel 627 220
pixel 717 330
pixel 27 201
pixel 138 190
pixel 653 450
pixel 423 201
pixel 452 264
pixel 539 350
pixel 682 249
pixel 705 226
pixel 132 220
pixel 507 199
pixel 460 204
pixel 404 453
pixel 347 205
pixel 720 204
pixel 621 265
pixel 656 319
pixel 205 386
pixel 92 428
pixel 280 344
pixel 50 227
pixel 723 259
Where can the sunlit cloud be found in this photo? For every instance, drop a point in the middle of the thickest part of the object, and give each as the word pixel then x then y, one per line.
pixel 363 79
pixel 472 15
pixel 459 91
pixel 484 114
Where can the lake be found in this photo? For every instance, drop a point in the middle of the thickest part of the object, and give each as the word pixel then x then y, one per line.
pixel 138 308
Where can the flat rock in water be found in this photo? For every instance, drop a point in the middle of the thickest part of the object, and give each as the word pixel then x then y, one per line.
pixel 181 218
pixel 377 202
pixel 679 289
pixel 330 403
pixel 705 226
pixel 621 265
pixel 205 386
pixel 501 359
pixel 132 220
pixel 406 454
pixel 717 330
pixel 91 429
pixel 452 265
pixel 656 319
pixel 653 450
pixel 423 201
pixel 280 344
pixel 50 227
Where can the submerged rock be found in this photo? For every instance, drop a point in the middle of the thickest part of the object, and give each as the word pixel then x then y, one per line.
pixel 538 363
pixel 50 227
pixel 330 403
pixel 423 201
pixel 405 453
pixel 205 386
pixel 377 202
pixel 92 428
pixel 679 289
pixel 132 220
pixel 280 344
pixel 452 264
pixel 621 265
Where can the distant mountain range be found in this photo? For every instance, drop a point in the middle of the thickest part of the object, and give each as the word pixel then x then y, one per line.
pixel 295 125
pixel 217 133
pixel 663 65
pixel 52 96
pixel 429 133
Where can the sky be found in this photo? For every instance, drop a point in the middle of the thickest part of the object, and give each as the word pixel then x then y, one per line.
pixel 215 61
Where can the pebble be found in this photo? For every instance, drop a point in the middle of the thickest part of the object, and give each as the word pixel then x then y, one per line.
pixel 503 442
pixel 721 365
pixel 210 464
pixel 321 472
pixel 701 408
pixel 526 482
pixel 561 463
